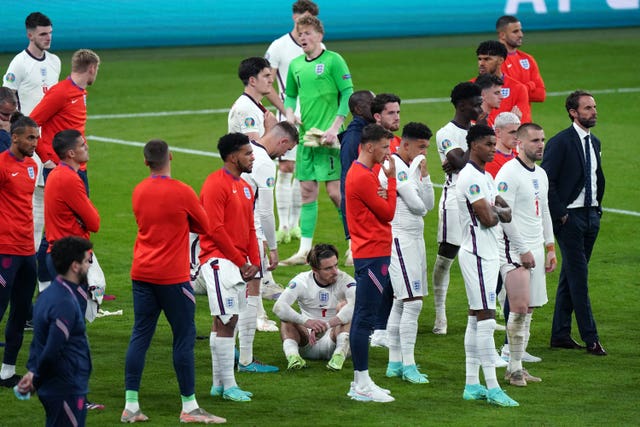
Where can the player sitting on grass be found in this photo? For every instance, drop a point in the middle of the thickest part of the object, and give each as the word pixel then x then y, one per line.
pixel 322 326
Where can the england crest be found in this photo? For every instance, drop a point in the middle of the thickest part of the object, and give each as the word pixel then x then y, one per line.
pixel 229 302
pixel 247 193
pixel 43 72
pixel 323 297
pixel 31 172
pixel 319 69
pixel 536 184
pixel 505 92
pixel 524 63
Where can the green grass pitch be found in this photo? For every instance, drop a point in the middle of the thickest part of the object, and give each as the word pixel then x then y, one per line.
pixel 577 389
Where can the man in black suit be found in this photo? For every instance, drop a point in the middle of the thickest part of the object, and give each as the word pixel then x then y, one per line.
pixel 576 188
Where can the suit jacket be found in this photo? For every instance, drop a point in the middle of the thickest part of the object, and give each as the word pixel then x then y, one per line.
pixel 564 163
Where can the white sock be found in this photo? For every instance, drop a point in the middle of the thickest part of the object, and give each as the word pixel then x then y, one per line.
pixel 283 198
pixel 515 331
pixel 342 344
pixel 247 329
pixel 472 362
pixel 296 204
pixel 409 330
pixel 362 378
pixel 260 312
pixel 7 371
pixel 129 404
pixel 215 366
pixel 393 331
pixel 189 405
pixel 486 349
pixel 224 357
pixel 527 329
pixel 290 347
pixel 305 245
pixel 440 284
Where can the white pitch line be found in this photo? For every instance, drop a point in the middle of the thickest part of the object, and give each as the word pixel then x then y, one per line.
pixel 210 154
pixel 142 144
pixel 404 101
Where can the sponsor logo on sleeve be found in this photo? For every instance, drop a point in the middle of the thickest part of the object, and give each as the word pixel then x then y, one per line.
pixel 249 122
pixel 503 187
pixel 346 77
pixel 474 189
pixel 10 77
pixel 402 176
pixel 446 143
pixel 292 285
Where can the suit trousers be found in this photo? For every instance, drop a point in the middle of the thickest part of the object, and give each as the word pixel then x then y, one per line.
pixel 576 238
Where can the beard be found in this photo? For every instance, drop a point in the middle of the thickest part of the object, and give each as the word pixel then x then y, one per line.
pixel 587 123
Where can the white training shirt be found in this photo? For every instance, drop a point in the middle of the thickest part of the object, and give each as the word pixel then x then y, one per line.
pixel 315 301
pixel 415 197
pixel 472 186
pixel 32 77
pixel 246 116
pixel 448 138
pixel 263 180
pixel 526 191
pixel 280 54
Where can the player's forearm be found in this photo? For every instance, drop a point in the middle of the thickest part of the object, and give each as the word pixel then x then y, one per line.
pixel 346 313
pixel 264 211
pixel 286 313
pixel 274 99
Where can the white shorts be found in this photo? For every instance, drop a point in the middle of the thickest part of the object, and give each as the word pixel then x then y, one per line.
pixel 290 155
pixel 538 283
pixel 408 267
pixel 449 230
pixel 226 290
pixel 480 278
pixel 322 349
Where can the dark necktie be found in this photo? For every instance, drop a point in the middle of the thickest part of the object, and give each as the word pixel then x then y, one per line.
pixel 587 172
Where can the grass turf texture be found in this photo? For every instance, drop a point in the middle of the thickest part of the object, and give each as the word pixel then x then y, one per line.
pixel 577 389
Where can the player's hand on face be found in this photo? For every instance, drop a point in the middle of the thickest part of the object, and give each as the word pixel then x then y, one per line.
pixel 382 192
pixel 551 262
pixel 273 259
pixel 390 170
pixel 423 168
pixel 527 260
pixel 6 125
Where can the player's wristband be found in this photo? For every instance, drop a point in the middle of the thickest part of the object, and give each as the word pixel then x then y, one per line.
pixel 550 247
